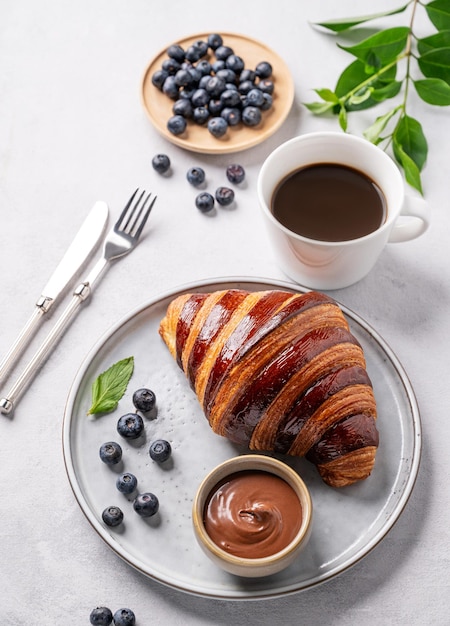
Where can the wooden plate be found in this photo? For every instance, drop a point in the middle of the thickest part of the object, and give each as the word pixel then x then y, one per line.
pixel 197 138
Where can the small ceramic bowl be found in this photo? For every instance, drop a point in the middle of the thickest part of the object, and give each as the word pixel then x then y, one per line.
pixel 251 567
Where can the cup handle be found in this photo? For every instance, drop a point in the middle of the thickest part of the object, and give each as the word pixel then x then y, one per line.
pixel 412 222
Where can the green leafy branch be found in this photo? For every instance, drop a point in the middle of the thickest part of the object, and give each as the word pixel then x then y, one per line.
pixel 373 78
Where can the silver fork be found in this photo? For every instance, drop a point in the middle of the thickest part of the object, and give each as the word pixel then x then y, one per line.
pixel 120 240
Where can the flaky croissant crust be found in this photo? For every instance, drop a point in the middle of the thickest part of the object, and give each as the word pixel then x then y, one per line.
pixel 278 371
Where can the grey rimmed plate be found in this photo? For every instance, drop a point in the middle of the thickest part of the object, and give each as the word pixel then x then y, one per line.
pixel 347 523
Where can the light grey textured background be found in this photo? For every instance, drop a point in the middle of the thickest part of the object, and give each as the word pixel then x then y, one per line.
pixel 72 131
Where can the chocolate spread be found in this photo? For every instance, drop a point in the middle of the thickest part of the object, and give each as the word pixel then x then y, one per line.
pixel 252 514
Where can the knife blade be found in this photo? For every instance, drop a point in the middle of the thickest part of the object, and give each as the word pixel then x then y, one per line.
pixel 84 243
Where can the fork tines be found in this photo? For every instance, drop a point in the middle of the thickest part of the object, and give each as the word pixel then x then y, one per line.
pixel 133 218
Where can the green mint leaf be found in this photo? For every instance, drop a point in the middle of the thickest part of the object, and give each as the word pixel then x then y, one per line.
pixel 374 131
pixel 438 40
pixel 338 26
pixel 382 48
pixel 327 95
pixel 412 173
pixel 318 107
pixel 433 91
pixel 409 136
pixel 436 64
pixel 109 387
pixel 439 13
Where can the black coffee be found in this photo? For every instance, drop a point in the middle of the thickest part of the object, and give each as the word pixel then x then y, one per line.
pixel 329 202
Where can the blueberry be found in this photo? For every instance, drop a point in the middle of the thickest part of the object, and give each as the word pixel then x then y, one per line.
pixel 215 86
pixel 268 101
pixel 184 78
pixel 235 63
pixel 170 65
pixel 255 97
pixel 218 65
pixel 186 94
pixel 235 173
pixel 193 53
pixel 144 400
pixel 202 47
pixel 195 176
pixel 231 115
pixel 176 52
pixel 112 516
pixel 170 88
pixel 124 617
pixel 182 107
pixel 224 196
pixel 217 126
pixel 195 73
pixel 251 116
pixel 200 115
pixel 130 426
pixel 160 450
pixel 247 75
pixel 223 52
pixel 263 69
pixel 110 453
pixel 161 163
pixel 101 616
pixel 266 85
pixel 215 106
pixel 228 75
pixel 204 202
pixel 176 124
pixel 126 483
pixel 158 78
pixel 214 41
pixel 230 98
pixel 200 98
pixel 245 86
pixel 146 504
pixel 204 67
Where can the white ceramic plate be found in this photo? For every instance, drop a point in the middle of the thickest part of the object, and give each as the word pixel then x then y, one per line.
pixel 348 523
pixel 197 138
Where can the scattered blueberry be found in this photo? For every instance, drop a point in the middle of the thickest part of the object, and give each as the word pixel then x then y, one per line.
pixel 235 173
pixel 204 202
pixel 176 124
pixel 218 126
pixel 110 453
pixel 112 516
pixel 126 483
pixel 160 450
pixel 144 400
pixel 130 426
pixel 161 163
pixel 124 617
pixel 224 196
pixel 195 176
pixel 101 616
pixel 146 504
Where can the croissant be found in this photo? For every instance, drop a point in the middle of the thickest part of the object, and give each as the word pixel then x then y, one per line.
pixel 278 371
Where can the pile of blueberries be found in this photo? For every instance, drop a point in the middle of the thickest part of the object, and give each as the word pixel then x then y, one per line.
pixel 102 616
pixel 211 86
pixel 131 426
pixel 196 176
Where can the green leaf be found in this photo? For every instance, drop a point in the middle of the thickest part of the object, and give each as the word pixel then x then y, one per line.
pixel 438 40
pixel 439 13
pixel 339 25
pixel 388 91
pixel 382 48
pixel 355 75
pixel 318 107
pixel 374 131
pixel 109 387
pixel 409 135
pixel 436 64
pixel 360 96
pixel 327 95
pixel 343 118
pixel 412 173
pixel 433 90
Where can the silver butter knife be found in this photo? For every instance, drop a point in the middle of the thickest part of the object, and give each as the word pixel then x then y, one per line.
pixel 84 243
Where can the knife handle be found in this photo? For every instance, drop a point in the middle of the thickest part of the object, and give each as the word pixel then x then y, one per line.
pixel 80 294
pixel 42 306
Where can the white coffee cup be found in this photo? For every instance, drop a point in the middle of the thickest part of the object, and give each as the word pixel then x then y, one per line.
pixel 336 264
